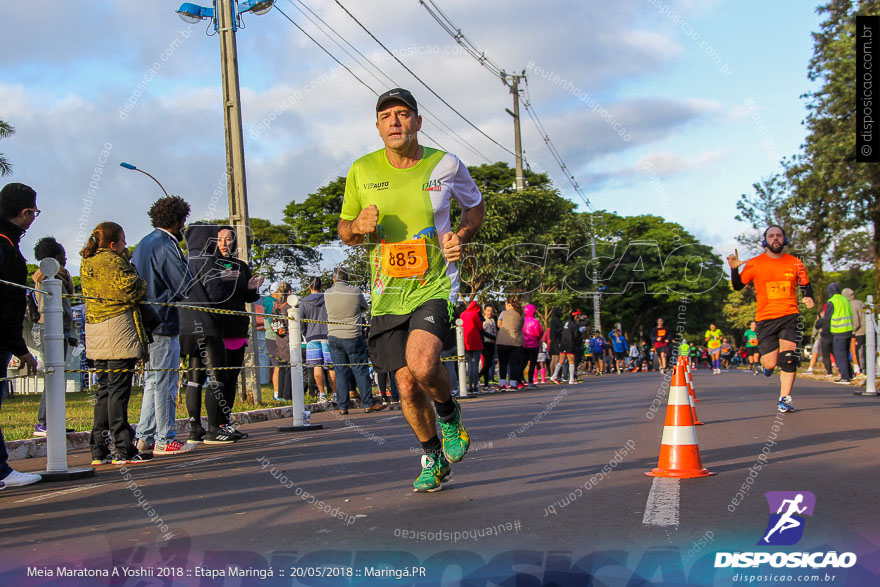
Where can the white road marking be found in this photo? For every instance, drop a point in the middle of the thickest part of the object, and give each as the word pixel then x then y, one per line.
pixel 191 463
pixel 662 507
pixel 62 492
pixel 288 441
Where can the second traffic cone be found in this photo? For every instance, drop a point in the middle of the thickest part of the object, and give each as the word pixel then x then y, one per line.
pixel 690 380
pixel 679 448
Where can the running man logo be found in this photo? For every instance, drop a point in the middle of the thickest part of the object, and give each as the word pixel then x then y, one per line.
pixel 787 508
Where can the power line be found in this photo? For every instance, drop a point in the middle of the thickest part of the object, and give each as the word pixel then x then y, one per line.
pixel 459 37
pixel 497 71
pixel 333 57
pixel 527 103
pixel 439 122
pixel 412 73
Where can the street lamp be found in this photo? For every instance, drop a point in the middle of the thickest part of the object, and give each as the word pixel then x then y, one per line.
pixel 133 168
pixel 226 17
pixel 193 13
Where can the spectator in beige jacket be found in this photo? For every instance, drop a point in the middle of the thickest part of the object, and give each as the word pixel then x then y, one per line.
pixel 115 337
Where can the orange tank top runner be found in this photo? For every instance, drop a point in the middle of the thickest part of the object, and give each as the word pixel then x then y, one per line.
pixel 776 282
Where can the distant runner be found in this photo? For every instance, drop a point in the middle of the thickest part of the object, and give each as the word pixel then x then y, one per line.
pixel 660 338
pixel 713 341
pixel 751 337
pixel 397 200
pixel 776 276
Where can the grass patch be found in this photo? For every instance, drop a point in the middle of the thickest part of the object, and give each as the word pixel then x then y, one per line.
pixel 19 413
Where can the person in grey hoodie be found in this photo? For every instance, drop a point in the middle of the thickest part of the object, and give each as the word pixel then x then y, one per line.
pixel 317 345
pixel 857 346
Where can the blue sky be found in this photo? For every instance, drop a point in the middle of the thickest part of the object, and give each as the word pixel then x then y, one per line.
pixel 650 63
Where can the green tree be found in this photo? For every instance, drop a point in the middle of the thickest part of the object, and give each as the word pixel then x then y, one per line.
pixel 6 131
pixel 313 221
pixel 830 146
pixel 650 268
pixel 276 256
pixel 739 309
pixel 761 209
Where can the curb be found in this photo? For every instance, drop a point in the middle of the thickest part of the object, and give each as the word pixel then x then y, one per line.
pixel 29 448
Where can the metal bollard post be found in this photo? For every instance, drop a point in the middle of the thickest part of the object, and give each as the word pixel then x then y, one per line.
pixel 297 392
pixel 870 348
pixel 462 362
pixel 54 383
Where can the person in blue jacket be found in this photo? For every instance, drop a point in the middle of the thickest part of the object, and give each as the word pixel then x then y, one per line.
pixel 160 262
pixel 620 348
pixel 597 349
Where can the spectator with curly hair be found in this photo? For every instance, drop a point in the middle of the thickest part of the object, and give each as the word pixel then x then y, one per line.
pixel 161 264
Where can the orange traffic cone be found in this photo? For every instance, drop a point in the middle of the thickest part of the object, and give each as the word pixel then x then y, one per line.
pixel 679 449
pixel 689 379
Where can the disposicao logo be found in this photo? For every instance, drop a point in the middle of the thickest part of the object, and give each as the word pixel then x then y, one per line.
pixel 787 508
pixel 785 528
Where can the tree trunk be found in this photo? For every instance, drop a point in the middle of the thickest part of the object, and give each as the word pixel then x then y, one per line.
pixel 818 280
pixel 875 219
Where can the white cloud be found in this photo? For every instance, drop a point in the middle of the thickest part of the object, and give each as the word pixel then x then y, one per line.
pixel 666 163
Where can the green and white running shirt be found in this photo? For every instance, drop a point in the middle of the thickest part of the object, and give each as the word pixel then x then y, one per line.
pixel 413 204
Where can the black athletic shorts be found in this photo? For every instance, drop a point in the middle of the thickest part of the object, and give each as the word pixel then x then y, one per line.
pixel 661 349
pixel 752 350
pixel 771 331
pixel 620 355
pixel 389 333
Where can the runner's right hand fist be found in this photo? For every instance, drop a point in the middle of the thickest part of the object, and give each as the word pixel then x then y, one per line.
pixel 367 220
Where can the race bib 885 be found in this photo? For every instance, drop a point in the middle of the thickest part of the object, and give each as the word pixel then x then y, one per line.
pixel 405 259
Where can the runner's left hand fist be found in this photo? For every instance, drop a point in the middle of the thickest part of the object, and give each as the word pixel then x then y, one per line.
pixel 451 247
pixel 808 302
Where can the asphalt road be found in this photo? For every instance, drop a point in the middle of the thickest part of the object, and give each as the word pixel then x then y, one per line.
pixel 552 492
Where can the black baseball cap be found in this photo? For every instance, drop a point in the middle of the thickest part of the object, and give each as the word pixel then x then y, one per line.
pixel 400 95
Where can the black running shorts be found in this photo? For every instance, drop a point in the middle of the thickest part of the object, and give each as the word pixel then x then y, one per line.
pixel 771 331
pixel 389 333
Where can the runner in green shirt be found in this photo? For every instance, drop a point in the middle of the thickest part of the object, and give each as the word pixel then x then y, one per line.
pixel 754 355
pixel 397 202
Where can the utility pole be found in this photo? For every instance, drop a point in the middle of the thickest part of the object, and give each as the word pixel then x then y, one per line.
pixel 235 173
pixel 517 139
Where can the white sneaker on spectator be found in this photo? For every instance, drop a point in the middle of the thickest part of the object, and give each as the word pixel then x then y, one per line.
pixel 16 479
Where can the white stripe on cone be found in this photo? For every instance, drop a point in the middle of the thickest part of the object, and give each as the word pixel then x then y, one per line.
pixel 679 396
pixel 679 435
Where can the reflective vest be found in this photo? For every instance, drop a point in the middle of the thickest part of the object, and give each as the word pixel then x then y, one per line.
pixel 684 349
pixel 842 318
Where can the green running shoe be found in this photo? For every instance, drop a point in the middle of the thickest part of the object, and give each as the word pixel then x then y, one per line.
pixel 455 438
pixel 435 470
